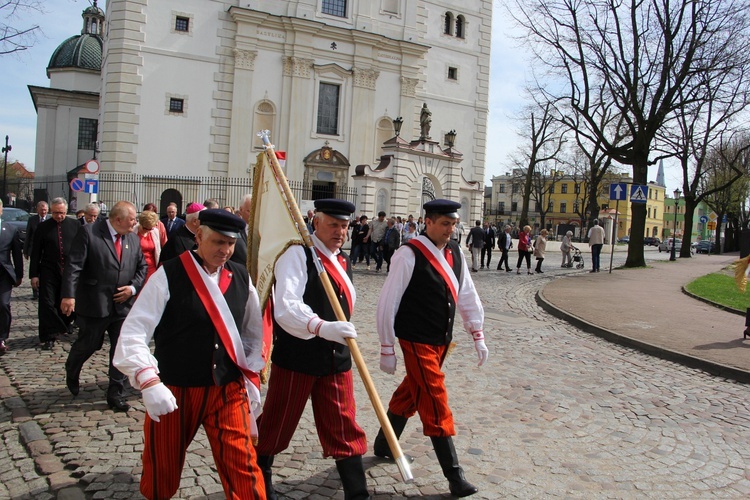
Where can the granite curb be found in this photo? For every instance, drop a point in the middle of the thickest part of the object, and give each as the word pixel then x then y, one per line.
pixel 711 367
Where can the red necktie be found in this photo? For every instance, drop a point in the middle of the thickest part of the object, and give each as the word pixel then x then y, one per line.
pixel 118 247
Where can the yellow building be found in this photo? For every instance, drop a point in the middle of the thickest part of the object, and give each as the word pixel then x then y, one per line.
pixel 565 199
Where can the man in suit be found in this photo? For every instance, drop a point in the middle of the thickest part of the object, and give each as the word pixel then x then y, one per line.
pixel 90 214
pixel 104 272
pixel 11 274
pixel 489 244
pixel 240 249
pixel 504 243
pixel 31 225
pixel 50 251
pixel 475 243
pixel 184 238
pixel 171 222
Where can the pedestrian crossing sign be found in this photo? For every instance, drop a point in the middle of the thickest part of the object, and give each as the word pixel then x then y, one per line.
pixel 638 193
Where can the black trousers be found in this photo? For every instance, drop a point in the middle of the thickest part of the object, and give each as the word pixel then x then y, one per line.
pixel 522 254
pixel 6 288
pixel 488 251
pixel 503 258
pixel 91 339
pixel 51 320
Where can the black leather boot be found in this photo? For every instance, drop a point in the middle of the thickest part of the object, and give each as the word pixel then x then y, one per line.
pixel 446 455
pixel 265 462
pixel 352 474
pixel 380 446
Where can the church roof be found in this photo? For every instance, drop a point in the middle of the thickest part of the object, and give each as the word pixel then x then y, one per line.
pixel 79 51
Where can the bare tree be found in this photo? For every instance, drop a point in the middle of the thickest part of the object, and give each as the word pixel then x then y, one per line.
pixel 545 139
pixel 643 57
pixel 722 188
pixel 15 34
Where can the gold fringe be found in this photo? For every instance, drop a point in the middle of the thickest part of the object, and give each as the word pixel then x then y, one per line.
pixel 740 270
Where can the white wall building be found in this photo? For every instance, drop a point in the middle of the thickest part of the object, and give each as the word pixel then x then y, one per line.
pixel 186 85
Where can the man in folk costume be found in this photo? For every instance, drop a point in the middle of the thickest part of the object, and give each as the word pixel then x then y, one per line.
pixel 204 317
pixel 418 302
pixel 310 357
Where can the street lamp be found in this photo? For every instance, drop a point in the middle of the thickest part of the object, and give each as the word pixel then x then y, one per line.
pixel 6 149
pixel 397 122
pixel 677 194
pixel 450 138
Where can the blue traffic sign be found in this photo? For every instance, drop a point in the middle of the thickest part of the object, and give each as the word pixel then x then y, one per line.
pixel 618 191
pixel 76 185
pixel 92 186
pixel 638 193
pixel 704 219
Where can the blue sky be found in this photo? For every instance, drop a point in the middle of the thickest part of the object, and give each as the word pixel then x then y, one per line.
pixel 62 19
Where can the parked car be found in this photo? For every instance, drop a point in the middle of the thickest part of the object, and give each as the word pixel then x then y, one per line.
pixel 651 241
pixel 624 239
pixel 705 246
pixel 666 245
pixel 17 218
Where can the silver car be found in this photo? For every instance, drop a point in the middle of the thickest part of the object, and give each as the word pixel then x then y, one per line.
pixel 666 245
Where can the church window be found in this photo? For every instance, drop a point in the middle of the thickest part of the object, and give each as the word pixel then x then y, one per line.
pixel 176 105
pixel 452 73
pixel 182 24
pixel 328 109
pixel 448 27
pixel 87 133
pixel 460 26
pixel 334 8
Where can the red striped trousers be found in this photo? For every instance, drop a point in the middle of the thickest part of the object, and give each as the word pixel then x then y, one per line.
pixel 334 410
pixel 225 415
pixel 423 389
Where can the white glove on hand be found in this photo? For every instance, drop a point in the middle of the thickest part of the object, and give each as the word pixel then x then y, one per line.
pixel 482 352
pixel 159 401
pixel 337 331
pixel 388 359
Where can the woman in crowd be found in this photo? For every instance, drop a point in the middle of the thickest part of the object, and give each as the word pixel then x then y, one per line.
pixel 539 247
pixel 148 232
pixel 524 249
pixel 411 232
pixel 159 224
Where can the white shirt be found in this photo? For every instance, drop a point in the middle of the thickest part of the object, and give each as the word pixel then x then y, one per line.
pixel 402 267
pixel 290 310
pixel 132 354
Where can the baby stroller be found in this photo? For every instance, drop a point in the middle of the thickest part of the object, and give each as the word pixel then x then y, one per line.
pixel 578 259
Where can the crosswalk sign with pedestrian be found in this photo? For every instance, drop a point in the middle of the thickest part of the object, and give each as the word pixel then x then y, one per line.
pixel 638 193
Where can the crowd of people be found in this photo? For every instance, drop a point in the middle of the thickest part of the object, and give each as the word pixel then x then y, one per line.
pixel 185 328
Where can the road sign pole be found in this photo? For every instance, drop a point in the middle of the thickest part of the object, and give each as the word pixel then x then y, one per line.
pixel 614 238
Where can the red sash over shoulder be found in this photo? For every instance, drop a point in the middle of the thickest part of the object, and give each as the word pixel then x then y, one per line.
pixel 233 346
pixel 438 262
pixel 335 275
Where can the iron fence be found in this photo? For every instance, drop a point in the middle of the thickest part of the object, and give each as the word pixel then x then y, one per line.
pixel 162 190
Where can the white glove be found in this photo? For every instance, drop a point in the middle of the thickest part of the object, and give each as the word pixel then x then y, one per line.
pixel 159 401
pixel 387 359
pixel 337 331
pixel 482 352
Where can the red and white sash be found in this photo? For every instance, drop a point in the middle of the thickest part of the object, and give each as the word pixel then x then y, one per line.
pixel 218 310
pixel 436 258
pixel 336 272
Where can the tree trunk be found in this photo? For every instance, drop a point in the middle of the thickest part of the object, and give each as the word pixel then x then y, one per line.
pixel 638 214
pixel 687 232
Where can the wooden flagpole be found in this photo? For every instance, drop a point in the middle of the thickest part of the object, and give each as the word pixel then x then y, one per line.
pixel 385 424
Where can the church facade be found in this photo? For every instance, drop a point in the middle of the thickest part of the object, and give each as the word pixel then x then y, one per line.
pixel 186 86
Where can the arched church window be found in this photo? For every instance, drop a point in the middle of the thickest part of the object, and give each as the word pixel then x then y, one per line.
pixel 460 22
pixel 448 26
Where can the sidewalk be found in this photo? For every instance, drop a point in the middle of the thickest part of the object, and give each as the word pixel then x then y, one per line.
pixel 644 309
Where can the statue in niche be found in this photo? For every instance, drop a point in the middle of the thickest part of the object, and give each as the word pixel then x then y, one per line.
pixel 425 121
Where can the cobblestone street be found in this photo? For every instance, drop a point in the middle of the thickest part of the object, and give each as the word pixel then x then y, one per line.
pixel 555 412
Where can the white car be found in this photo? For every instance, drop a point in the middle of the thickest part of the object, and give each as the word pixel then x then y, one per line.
pixel 666 245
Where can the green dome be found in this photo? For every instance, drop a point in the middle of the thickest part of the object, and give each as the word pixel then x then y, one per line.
pixel 79 51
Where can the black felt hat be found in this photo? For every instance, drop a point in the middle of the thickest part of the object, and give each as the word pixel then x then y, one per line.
pixel 341 209
pixel 442 207
pixel 222 222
